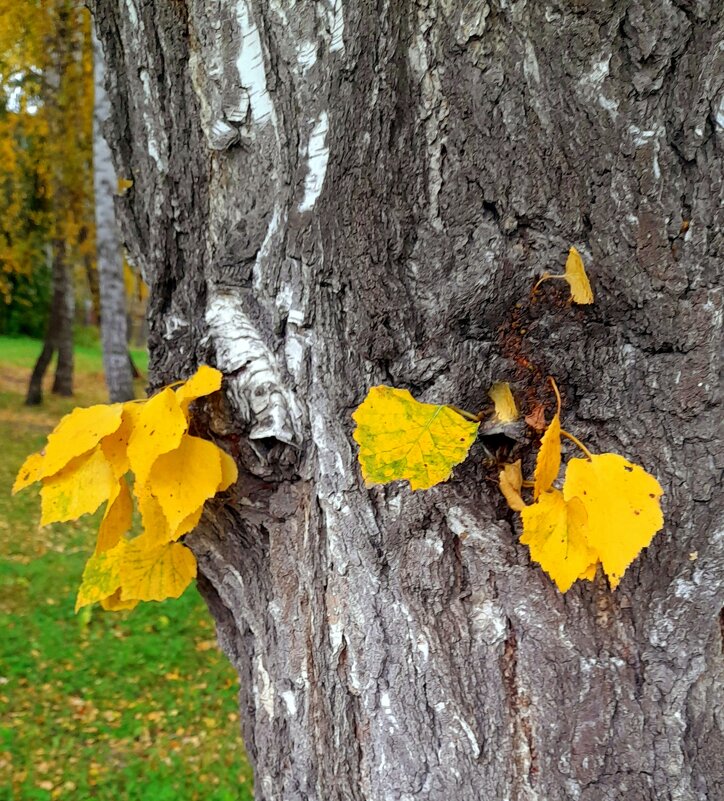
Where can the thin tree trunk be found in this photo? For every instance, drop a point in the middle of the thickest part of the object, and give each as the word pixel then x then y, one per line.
pixel 331 195
pixel 114 330
pixel 63 380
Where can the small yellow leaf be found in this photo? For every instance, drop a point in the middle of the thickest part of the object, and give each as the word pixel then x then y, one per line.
pixel 117 518
pixel 205 381
pixel 548 462
pixel 124 184
pixel 101 576
pixel 158 429
pixel 78 489
pixel 113 603
pixel 76 434
pixel 575 274
pixel 30 472
pixel 401 438
pixel 511 483
pixel 505 409
pixel 154 572
pixel 622 504
pixel 185 478
pixel 554 531
pixel 229 471
pixel 155 525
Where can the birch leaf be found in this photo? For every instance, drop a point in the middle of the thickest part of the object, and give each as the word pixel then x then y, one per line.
pixel 505 409
pixel 548 462
pixel 511 483
pixel 101 576
pixel 152 572
pixel 159 427
pixel 184 479
pixel 78 489
pixel 575 274
pixel 205 381
pixel 117 519
pixel 401 438
pixel 622 505
pixel 113 603
pixel 30 472
pixel 555 533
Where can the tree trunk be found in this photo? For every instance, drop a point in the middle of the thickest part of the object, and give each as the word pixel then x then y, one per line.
pixel 331 195
pixel 114 330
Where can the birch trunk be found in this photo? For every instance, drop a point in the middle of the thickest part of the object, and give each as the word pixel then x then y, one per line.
pixel 330 195
pixel 114 329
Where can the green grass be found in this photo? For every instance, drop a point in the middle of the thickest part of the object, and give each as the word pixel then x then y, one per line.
pixel 136 706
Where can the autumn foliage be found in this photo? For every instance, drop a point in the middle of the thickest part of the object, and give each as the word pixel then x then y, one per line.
pixel 85 463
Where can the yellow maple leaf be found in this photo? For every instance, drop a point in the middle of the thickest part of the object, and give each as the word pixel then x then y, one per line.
pixel 101 576
pixel 151 572
pixel 505 409
pixel 117 518
pixel 76 434
pixel 185 478
pixel 78 489
pixel 205 381
pixel 554 530
pixel 511 483
pixel 157 429
pixel 401 438
pixel 622 505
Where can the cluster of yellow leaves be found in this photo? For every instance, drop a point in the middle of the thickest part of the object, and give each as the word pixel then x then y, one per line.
pixel 85 463
pixel 607 511
pixel 401 438
pixel 575 276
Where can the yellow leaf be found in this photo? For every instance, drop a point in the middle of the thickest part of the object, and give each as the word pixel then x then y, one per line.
pixel 124 184
pixel 113 603
pixel 205 381
pixel 185 478
pixel 117 518
pixel 229 471
pixel 554 532
pixel 76 434
pixel 622 503
pixel 115 445
pixel 154 572
pixel 101 576
pixel 505 409
pixel 575 274
pixel 548 462
pixel 158 429
pixel 155 525
pixel 30 472
pixel 78 489
pixel 511 483
pixel 590 572
pixel 401 438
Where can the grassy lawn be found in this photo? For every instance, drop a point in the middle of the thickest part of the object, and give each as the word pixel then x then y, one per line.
pixel 133 706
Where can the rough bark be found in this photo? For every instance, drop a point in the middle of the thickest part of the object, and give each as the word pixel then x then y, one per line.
pixel 114 329
pixel 330 195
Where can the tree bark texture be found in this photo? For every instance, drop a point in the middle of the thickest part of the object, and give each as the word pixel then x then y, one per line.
pixel 332 195
pixel 114 328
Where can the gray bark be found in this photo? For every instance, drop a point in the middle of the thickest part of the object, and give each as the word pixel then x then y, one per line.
pixel 331 195
pixel 114 328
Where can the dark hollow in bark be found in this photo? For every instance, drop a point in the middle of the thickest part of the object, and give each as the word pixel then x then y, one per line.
pixel 333 195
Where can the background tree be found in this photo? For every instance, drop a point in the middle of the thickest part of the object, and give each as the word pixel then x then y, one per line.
pixel 330 195
pixel 114 330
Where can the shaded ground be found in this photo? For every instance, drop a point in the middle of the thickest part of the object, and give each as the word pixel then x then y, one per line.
pixel 137 706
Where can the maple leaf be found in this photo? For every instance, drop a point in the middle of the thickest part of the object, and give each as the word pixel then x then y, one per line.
pixel 511 483
pixel 576 277
pixel 622 505
pixel 505 409
pixel 401 438
pixel 151 572
pixel 554 530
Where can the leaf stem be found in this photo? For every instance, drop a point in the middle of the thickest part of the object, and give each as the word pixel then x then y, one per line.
pixel 545 277
pixel 577 442
pixel 558 394
pixel 475 418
